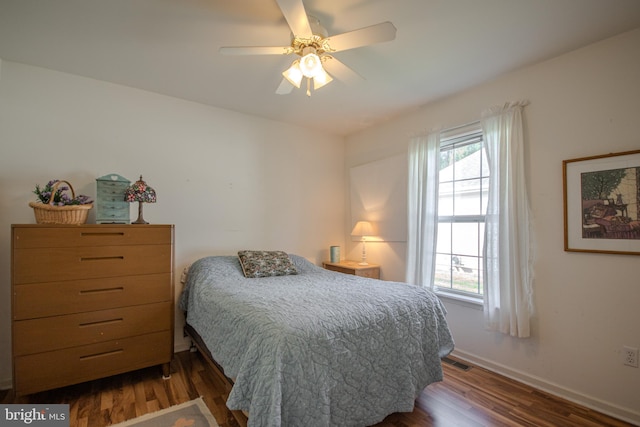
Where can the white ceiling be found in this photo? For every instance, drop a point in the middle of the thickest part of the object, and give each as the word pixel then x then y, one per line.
pixel 171 47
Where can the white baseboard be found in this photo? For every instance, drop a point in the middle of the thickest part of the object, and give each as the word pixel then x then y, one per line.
pixel 626 414
pixel 182 346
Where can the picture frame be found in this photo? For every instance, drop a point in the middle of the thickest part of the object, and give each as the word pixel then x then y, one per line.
pixel 601 201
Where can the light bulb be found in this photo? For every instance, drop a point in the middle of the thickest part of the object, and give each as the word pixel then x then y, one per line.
pixel 310 65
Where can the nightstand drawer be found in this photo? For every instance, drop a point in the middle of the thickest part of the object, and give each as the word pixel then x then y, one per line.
pixel 339 269
pixel 371 271
pixel 35 300
pixel 54 333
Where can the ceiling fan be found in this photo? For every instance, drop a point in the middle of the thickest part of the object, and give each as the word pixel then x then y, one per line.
pixel 314 47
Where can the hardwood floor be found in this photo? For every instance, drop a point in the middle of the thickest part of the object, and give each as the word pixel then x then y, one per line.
pixel 465 398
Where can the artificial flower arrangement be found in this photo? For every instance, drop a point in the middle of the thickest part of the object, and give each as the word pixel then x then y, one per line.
pixel 60 198
pixel 54 206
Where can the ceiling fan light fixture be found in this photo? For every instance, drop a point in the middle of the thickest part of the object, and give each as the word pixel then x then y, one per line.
pixel 294 74
pixel 310 63
pixel 321 80
pixel 310 41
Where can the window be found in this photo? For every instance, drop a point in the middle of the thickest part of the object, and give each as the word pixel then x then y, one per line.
pixel 462 205
pixel 452 201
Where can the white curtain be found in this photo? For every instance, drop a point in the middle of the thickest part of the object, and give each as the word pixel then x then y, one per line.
pixel 508 248
pixel 422 225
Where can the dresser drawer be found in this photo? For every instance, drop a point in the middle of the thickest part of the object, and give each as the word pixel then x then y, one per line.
pixel 111 213
pixel 60 236
pixel 114 208
pixel 35 300
pixel 58 332
pixel 32 265
pixel 112 189
pixel 59 368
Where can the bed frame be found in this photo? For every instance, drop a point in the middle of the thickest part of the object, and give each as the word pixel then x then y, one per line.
pixel 197 342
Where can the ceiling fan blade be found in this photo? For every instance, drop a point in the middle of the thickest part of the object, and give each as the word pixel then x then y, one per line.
pixel 339 70
pixel 285 87
pixel 383 32
pixel 296 16
pixel 256 50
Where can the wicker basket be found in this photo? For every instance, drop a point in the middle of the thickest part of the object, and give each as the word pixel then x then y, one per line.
pixel 69 214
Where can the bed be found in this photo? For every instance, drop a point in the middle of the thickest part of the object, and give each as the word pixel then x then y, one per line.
pixel 315 347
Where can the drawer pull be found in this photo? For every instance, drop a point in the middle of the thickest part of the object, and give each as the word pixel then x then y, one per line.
pixel 101 291
pixel 102 234
pixel 106 353
pixel 101 258
pixel 100 322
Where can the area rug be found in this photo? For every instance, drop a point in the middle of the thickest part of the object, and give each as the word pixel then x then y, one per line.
pixel 193 413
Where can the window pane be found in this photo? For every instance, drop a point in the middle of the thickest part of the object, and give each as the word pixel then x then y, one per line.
pixel 465 239
pixel 468 197
pixel 445 199
pixel 443 271
pixel 468 161
pixel 444 238
pixel 465 274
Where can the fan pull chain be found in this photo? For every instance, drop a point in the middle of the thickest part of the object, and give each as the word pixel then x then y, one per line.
pixel 308 86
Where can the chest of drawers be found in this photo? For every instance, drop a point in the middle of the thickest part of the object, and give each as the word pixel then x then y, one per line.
pixel 89 301
pixel 110 204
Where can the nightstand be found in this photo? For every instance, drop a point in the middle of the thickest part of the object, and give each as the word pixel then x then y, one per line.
pixel 352 267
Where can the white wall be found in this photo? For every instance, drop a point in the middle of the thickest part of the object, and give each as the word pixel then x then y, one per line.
pixel 227 181
pixel 583 103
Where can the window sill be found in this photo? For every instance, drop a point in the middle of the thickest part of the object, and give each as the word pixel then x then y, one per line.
pixel 463 300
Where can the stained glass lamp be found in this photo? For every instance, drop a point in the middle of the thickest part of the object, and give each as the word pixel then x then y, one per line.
pixel 140 192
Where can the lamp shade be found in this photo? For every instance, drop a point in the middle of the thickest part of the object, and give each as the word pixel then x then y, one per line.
pixel 139 191
pixel 294 74
pixel 323 78
pixel 362 228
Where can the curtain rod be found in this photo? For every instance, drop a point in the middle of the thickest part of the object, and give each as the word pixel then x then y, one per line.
pixel 439 129
pixel 473 123
pixel 507 105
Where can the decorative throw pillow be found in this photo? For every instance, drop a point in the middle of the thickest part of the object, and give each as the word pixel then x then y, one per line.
pixel 266 263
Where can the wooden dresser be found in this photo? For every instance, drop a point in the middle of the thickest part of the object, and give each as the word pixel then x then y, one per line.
pixel 89 301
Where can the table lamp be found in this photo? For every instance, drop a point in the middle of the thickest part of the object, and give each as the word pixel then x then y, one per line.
pixel 363 229
pixel 140 192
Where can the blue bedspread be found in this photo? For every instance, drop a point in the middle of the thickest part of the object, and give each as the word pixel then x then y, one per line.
pixel 318 348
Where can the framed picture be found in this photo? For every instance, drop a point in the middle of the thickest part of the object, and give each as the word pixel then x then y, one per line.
pixel 601 202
